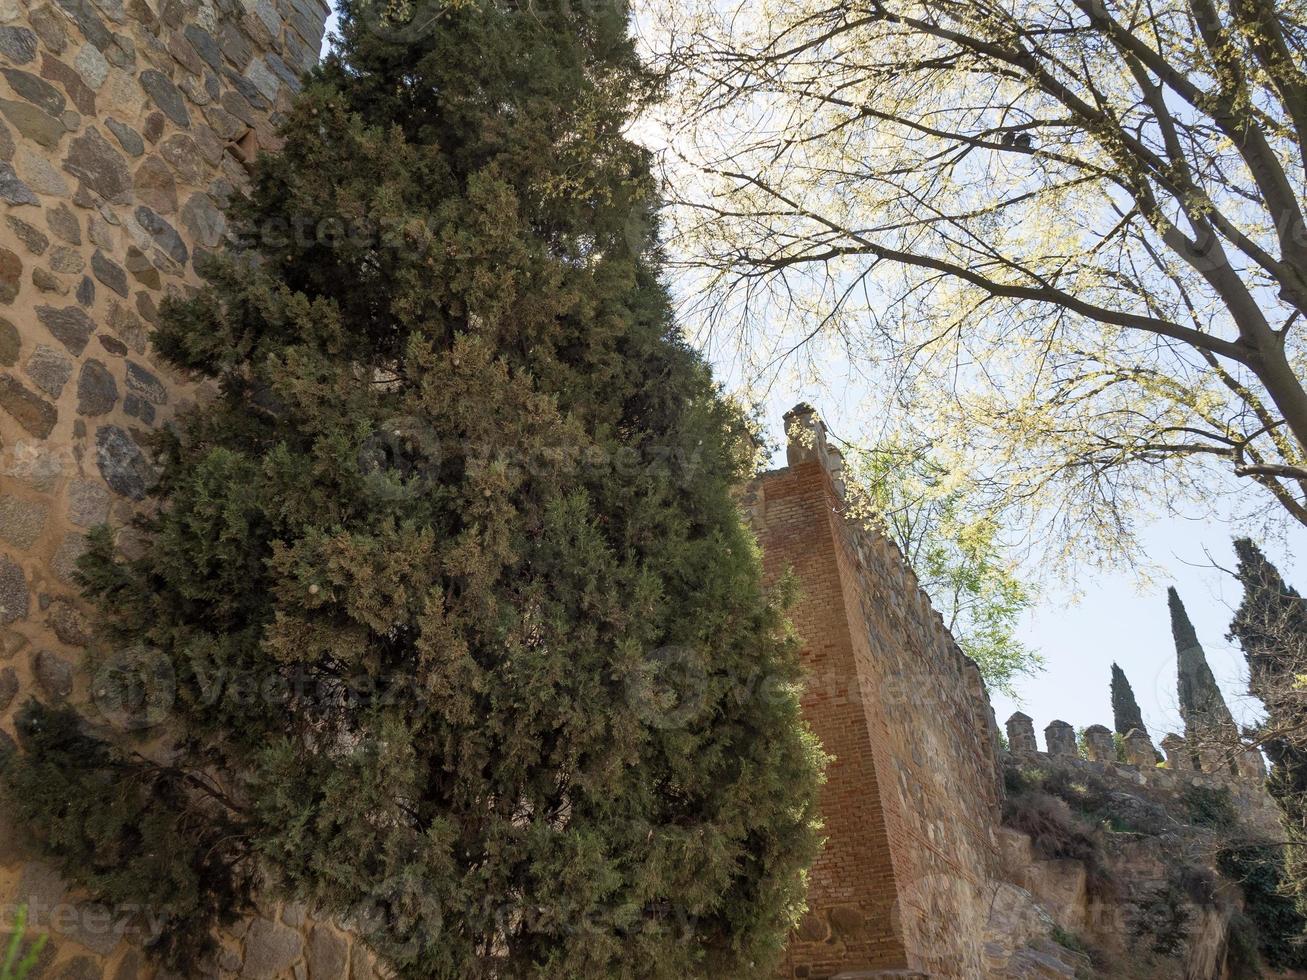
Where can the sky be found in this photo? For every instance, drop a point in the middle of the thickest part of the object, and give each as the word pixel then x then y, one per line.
pixel 1114 616
pixel 1120 620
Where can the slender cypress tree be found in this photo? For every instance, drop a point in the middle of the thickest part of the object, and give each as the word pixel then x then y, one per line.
pixel 1126 716
pixel 448 619
pixel 1206 717
pixel 1270 626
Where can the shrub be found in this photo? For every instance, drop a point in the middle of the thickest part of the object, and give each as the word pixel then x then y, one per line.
pixel 1209 807
pixel 1278 927
pixel 1162 919
pixel 448 583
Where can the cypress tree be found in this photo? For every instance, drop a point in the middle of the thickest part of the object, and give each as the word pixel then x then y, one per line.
pixel 448 620
pixel 1271 628
pixel 1206 717
pixel 1126 716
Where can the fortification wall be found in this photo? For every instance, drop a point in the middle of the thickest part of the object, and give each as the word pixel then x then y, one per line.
pixel 124 126
pixel 123 129
pixel 912 799
pixel 1134 767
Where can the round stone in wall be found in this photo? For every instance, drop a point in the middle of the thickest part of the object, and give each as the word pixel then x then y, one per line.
pixel 128 138
pixel 164 94
pixel 70 326
pixel 21 521
pixel 203 220
pixel 38 173
pixel 88 503
pixel 35 240
pixel 110 273
pixel 99 166
pixel 12 189
pixel 17 44
pixel 36 415
pixel 53 673
pixel 11 275
pixel 156 186
pixel 10 344
pixel 90 64
pixel 64 224
pixel 64 561
pixel 69 624
pixel 49 369
pixel 122 464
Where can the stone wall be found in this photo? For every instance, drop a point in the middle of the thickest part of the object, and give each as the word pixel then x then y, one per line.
pixel 1165 907
pixel 1233 766
pixel 911 803
pixel 124 126
pixel 1144 777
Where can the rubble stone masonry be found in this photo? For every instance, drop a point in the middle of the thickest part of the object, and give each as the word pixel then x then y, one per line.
pixel 124 127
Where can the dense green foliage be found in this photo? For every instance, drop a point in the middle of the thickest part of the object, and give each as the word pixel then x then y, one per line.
pixel 1209 806
pixel 1271 628
pixel 1126 716
pixel 455 619
pixel 1279 927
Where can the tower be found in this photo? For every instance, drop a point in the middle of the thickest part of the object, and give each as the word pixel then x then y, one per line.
pixel 125 125
pixel 912 793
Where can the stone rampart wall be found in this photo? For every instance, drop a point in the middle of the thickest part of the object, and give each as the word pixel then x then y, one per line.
pixel 1248 796
pixel 124 127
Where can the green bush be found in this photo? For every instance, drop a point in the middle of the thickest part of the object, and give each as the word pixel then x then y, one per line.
pixel 1210 807
pixel 1278 926
pixel 1162 920
pixel 453 617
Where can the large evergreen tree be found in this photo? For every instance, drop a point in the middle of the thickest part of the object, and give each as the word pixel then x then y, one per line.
pixel 447 609
pixel 1271 628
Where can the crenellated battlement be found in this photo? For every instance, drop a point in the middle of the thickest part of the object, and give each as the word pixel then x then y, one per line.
pixel 807 441
pixel 1227 762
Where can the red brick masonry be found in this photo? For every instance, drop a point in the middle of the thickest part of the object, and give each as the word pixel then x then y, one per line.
pixel 911 800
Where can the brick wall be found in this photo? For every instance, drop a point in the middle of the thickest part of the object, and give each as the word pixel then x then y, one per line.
pixel 853 891
pixel 912 798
